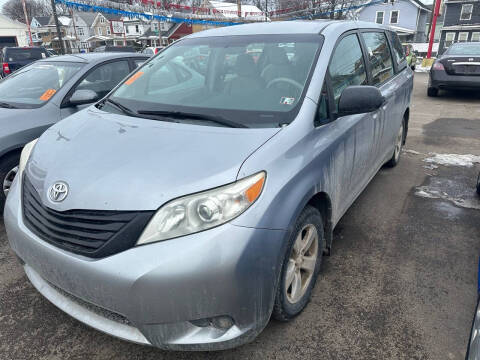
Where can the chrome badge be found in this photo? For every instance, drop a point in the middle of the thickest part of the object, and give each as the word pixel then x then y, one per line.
pixel 58 191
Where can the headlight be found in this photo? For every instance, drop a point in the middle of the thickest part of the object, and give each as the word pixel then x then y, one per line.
pixel 27 150
pixel 202 211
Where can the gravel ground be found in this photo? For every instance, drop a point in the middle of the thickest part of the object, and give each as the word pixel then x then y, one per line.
pixel 401 283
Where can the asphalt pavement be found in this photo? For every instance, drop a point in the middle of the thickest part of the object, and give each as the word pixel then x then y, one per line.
pixel 400 284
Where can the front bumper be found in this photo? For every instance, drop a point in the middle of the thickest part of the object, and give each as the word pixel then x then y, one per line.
pixel 151 294
pixel 441 80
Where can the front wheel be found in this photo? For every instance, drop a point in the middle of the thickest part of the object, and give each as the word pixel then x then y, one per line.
pixel 432 92
pixel 8 171
pixel 301 265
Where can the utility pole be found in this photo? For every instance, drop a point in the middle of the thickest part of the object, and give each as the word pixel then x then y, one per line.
pixel 266 10
pixel 74 28
pixel 239 8
pixel 57 25
pixel 27 22
pixel 434 24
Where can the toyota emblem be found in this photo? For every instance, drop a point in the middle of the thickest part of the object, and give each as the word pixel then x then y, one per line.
pixel 58 191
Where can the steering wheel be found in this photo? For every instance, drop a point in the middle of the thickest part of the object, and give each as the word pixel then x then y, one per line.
pixel 286 80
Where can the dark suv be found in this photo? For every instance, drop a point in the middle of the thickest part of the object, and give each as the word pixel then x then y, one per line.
pixel 14 58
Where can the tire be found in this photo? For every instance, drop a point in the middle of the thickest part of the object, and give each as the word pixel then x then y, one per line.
pixel 7 164
pixel 413 68
pixel 288 302
pixel 432 92
pixel 397 151
pixel 478 184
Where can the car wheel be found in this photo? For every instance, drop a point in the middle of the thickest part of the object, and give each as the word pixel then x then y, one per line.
pixel 478 184
pixel 397 151
pixel 413 67
pixel 301 265
pixel 8 170
pixel 432 92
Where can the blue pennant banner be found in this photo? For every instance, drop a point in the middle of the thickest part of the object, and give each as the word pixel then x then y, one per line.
pixel 132 14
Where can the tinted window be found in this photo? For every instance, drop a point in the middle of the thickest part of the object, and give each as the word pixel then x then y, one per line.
pixel 24 54
pixel 347 66
pixel 34 85
pixel 379 57
pixel 398 50
pixel 105 77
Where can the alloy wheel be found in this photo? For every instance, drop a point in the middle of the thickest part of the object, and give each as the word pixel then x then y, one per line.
pixel 8 180
pixel 399 143
pixel 301 263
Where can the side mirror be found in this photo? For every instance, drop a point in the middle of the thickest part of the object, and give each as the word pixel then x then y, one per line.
pixel 359 100
pixel 80 97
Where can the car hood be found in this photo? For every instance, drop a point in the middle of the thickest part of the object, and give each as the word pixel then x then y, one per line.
pixel 115 162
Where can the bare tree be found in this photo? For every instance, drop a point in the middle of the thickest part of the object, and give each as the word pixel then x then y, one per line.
pixel 14 9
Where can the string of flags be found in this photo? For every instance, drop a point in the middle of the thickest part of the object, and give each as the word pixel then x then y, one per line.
pixel 191 21
pixel 133 14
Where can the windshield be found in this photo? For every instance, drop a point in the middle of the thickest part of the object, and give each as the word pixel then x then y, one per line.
pixel 12 55
pixel 33 85
pixel 464 49
pixel 254 81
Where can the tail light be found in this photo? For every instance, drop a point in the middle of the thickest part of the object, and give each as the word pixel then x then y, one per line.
pixel 438 66
pixel 156 50
pixel 6 69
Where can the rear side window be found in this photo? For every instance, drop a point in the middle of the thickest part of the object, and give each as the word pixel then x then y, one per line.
pixel 379 57
pixel 347 66
pixel 24 54
pixel 398 51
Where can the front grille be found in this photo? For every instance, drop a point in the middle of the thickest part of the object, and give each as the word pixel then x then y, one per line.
pixel 94 233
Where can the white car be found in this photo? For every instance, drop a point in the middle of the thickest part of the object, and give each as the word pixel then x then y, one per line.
pixel 152 50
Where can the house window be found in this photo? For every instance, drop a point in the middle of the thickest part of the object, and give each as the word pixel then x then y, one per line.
pixel 163 26
pixel 84 45
pixel 80 31
pixel 475 37
pixel 449 39
pixel 463 37
pixel 102 19
pixel 379 17
pixel 394 16
pixel 99 31
pixel 155 26
pixel 108 31
pixel 126 29
pixel 466 13
pixel 136 28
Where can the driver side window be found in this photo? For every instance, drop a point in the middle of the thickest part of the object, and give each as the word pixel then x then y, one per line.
pixel 105 77
pixel 347 66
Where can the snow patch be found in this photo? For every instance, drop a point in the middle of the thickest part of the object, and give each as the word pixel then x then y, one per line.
pixel 413 152
pixel 453 159
pixel 432 192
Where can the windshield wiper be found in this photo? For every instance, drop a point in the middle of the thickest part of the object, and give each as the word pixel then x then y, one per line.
pixel 124 109
pixel 7 105
pixel 185 115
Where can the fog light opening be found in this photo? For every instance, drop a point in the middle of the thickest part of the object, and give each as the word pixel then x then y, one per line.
pixel 222 323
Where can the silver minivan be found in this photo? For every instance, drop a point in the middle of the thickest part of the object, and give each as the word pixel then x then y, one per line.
pixel 197 199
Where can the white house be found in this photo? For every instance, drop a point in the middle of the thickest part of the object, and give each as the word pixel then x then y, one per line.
pixel 12 33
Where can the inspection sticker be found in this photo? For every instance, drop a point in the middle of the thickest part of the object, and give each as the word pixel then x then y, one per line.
pixel 48 94
pixel 133 78
pixel 287 100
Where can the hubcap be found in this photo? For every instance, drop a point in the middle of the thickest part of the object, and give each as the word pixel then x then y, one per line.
pixel 399 143
pixel 301 263
pixel 7 182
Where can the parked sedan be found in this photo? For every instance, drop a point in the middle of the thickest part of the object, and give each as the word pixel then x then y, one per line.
pixel 184 214
pixel 457 68
pixel 37 96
